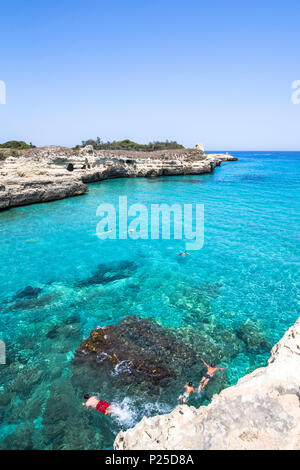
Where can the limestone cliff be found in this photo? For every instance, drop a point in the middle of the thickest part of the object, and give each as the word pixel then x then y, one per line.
pixel 262 411
pixel 49 173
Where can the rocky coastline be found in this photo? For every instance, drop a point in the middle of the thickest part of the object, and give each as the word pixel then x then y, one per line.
pixel 52 173
pixel 262 411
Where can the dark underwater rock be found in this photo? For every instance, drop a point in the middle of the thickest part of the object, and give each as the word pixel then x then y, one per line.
pixel 53 332
pixel 33 303
pixel 70 327
pixel 66 330
pixel 137 349
pixel 75 318
pixel 28 293
pixel 106 273
pixel 254 337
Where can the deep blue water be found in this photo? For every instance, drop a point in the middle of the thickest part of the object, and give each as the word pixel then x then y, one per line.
pixel 236 296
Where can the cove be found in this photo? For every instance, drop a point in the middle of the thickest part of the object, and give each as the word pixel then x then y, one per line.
pixel 228 302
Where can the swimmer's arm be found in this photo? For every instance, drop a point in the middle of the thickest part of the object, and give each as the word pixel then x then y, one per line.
pixel 205 363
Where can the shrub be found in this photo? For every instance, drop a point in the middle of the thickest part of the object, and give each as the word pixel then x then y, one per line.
pixel 128 144
pixel 16 144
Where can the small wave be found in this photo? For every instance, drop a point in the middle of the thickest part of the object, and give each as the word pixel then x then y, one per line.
pixel 130 411
pixel 124 412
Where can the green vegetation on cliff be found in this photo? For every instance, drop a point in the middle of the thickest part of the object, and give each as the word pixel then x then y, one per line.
pixel 16 144
pixel 127 144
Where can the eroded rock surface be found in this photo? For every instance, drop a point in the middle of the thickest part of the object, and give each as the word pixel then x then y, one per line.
pixel 33 189
pixel 262 411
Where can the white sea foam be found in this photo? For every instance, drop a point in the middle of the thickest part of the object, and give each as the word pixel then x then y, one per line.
pixel 123 367
pixel 124 412
pixel 130 411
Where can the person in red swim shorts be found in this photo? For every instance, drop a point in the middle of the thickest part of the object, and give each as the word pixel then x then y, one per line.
pixel 99 405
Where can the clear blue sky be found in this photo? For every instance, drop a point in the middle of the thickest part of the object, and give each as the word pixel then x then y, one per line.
pixel 217 72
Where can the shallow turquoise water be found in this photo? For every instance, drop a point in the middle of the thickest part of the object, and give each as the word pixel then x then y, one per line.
pixel 247 270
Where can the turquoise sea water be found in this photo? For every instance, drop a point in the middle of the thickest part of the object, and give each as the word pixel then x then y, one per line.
pixel 234 298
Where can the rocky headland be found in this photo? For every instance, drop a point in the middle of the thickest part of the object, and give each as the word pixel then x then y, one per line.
pixel 51 173
pixel 262 411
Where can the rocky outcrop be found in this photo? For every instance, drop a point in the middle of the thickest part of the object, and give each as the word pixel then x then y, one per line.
pixel 49 173
pixel 20 192
pixel 262 411
pixel 138 350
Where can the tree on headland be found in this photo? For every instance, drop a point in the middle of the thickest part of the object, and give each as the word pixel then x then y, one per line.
pixel 128 144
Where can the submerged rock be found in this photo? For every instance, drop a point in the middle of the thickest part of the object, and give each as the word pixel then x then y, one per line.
pixel 28 292
pixel 33 303
pixel 106 273
pixel 254 337
pixel 66 330
pixel 137 349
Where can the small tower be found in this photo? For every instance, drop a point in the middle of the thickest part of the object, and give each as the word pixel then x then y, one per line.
pixel 199 147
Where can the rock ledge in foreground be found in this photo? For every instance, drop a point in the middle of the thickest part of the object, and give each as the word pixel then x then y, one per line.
pixel 261 412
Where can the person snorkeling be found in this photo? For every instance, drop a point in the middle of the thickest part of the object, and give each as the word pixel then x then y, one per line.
pixel 183 253
pixel 188 390
pixel 211 370
pixel 100 405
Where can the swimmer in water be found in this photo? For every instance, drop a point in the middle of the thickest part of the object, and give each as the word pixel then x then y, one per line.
pixel 104 233
pixel 184 253
pixel 100 405
pixel 188 390
pixel 211 370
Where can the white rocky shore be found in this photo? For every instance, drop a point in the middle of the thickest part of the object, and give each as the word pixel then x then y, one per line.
pixel 262 411
pixel 49 173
